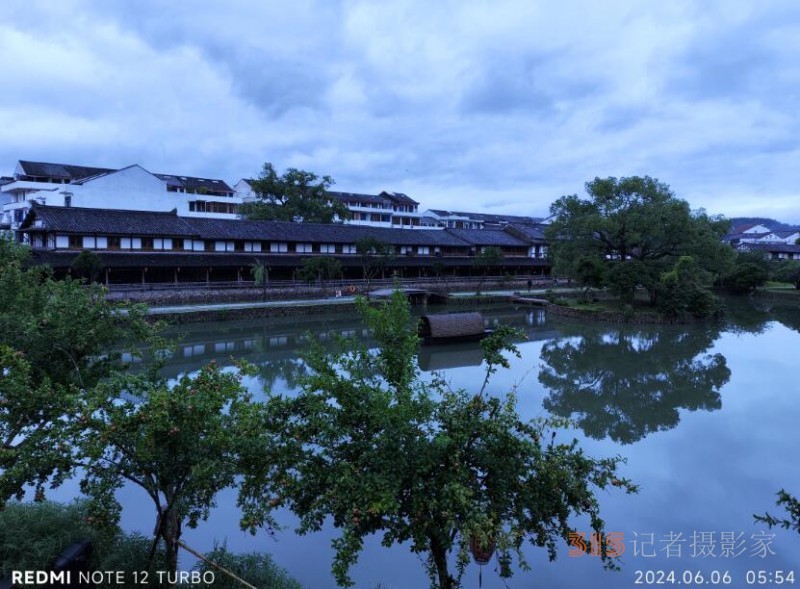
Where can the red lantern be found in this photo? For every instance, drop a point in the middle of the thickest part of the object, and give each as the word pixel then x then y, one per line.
pixel 481 552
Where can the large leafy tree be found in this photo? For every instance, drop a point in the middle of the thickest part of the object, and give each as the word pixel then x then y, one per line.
pixel 56 339
pixel 375 255
pixel 320 268
pixel 371 446
pixel 64 329
pixel 177 443
pixel 487 259
pixel 787 271
pixel 295 195
pixel 638 229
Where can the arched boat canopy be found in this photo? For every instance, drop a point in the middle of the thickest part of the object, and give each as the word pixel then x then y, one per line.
pixel 451 326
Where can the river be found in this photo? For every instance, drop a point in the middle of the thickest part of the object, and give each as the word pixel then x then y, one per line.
pixel 706 417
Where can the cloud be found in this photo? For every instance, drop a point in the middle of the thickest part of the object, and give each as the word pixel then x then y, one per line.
pixel 460 104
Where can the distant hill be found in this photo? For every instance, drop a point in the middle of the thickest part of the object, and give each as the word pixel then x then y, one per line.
pixel 767 222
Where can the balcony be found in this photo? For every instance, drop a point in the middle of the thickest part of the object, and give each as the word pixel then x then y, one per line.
pixel 27 186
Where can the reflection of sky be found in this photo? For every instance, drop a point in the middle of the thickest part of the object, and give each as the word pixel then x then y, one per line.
pixel 709 474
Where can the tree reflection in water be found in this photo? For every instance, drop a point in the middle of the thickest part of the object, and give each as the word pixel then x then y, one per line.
pixel 626 382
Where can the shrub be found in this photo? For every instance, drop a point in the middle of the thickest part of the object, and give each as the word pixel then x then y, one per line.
pixel 257 569
pixel 32 535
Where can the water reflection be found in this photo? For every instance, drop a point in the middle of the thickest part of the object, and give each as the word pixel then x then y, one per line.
pixel 625 383
pixel 276 344
pixel 708 476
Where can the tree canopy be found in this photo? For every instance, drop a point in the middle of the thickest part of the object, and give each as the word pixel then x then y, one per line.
pixel 56 342
pixel 295 195
pixel 368 444
pixel 178 443
pixel 633 230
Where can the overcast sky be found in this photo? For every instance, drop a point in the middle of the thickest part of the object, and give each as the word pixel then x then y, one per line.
pixel 498 106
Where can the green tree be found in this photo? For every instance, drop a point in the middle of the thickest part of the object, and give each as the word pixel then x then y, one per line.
pixel 787 271
pixel 55 342
pixel 376 255
pixel 320 268
pixel 260 274
pixel 87 265
pixel 489 258
pixel 64 330
pixel 685 290
pixel 792 506
pixel 378 450
pixel 750 270
pixel 590 272
pixel 178 443
pixel 639 229
pixel 295 195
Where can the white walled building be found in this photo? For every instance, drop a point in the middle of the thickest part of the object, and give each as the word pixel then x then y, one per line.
pixel 131 188
pixel 387 209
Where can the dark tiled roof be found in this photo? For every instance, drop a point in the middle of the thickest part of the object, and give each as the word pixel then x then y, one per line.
pixel 499 219
pixel 398 197
pixel 106 222
pixel 60 170
pixel 347 197
pixel 116 222
pixel 772 247
pixel 533 231
pixel 487 237
pixel 193 184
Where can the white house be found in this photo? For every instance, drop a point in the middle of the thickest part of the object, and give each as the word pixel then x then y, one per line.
pixel 131 188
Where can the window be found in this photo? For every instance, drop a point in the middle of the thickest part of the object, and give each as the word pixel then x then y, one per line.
pixel 327 248
pixel 303 248
pixel 278 247
pixel 147 243
pixel 423 250
pixel 75 242
pixel 349 249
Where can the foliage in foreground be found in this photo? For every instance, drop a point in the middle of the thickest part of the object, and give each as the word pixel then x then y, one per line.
pixel 178 443
pixel 370 445
pixel 257 569
pixel 792 506
pixel 32 535
pixel 55 337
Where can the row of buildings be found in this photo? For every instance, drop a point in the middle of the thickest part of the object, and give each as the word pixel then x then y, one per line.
pixel 156 228
pixel 134 188
pixel 165 228
pixel 776 244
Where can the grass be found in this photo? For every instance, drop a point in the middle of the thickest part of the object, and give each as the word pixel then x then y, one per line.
pixel 32 535
pixel 780 286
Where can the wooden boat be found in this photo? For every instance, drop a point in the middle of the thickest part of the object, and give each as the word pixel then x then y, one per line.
pixel 448 328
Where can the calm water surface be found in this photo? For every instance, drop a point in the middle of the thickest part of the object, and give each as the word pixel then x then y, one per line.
pixel 707 419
